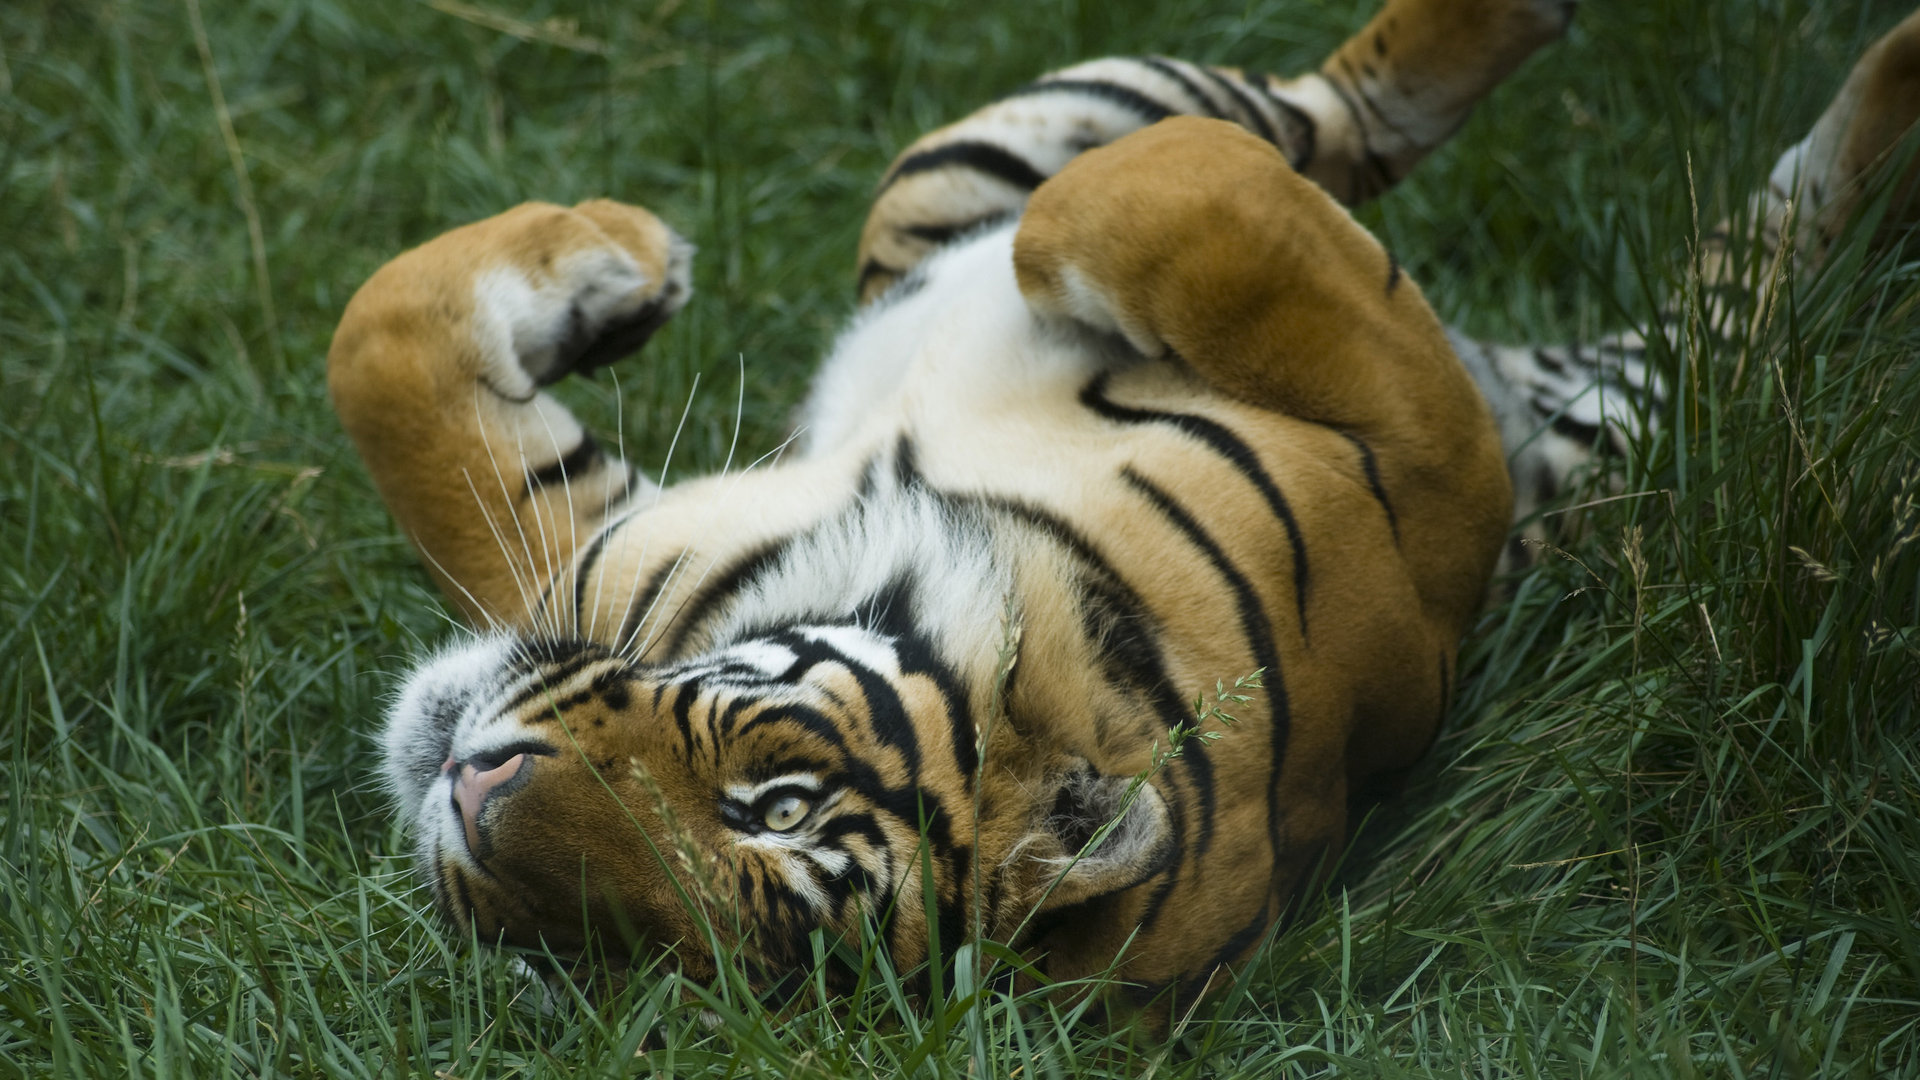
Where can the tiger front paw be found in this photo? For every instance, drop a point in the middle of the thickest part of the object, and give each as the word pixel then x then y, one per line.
pixel 528 297
pixel 559 291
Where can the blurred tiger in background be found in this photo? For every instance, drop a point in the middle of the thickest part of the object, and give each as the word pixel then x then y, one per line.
pixel 1131 407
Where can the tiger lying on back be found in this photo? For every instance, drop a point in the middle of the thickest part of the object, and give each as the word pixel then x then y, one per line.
pixel 1132 406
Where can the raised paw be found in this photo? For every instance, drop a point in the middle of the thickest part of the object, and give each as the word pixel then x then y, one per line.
pixel 436 371
pixel 539 292
pixel 558 291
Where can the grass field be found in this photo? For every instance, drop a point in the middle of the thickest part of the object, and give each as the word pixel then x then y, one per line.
pixel 1672 829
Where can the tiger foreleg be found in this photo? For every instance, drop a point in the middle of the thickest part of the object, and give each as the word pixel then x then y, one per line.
pixel 1195 240
pixel 436 371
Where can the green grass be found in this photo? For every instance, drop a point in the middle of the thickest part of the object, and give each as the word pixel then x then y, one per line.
pixel 1673 828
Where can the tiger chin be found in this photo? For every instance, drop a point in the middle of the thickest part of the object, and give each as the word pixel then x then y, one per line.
pixel 1132 407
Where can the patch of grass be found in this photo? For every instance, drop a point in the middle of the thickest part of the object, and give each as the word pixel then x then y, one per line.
pixel 1673 829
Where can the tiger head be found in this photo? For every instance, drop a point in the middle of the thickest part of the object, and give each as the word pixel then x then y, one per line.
pixel 806 779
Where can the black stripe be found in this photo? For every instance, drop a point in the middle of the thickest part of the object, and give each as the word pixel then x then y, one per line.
pixel 527 654
pixel 686 694
pixel 1126 644
pixel 576 463
pixel 724 723
pixel 717 592
pixel 1304 126
pixel 1565 426
pixel 1262 128
pixel 920 660
pixel 942 233
pixel 871 269
pixel 544 681
pixel 1256 628
pixel 981 157
pixel 959 860
pixel 1241 456
pixel 437 879
pixel 583 569
pixel 890 611
pixel 887 715
pixel 1171 70
pixel 1239 942
pixel 1380 167
pixel 1544 359
pixel 811 721
pixel 1103 587
pixel 643 602
pixel 469 917
pixel 843 825
pixel 1112 93
pixel 1586 434
pixel 1371 466
pixel 906 463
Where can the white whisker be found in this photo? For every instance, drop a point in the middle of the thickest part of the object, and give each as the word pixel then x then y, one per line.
pixel 492 621
pixel 620 446
pixel 506 497
pixel 573 537
pixel 739 412
pixel 665 588
pixel 633 585
pixel 499 541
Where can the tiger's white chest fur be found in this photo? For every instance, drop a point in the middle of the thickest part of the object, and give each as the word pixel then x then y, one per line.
pixel 951 383
pixel 955 354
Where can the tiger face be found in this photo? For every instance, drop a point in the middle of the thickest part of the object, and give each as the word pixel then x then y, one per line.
pixel 554 785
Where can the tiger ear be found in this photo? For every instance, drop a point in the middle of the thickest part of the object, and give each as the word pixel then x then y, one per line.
pixel 1106 833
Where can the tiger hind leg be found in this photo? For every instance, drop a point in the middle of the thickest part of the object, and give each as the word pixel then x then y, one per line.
pixel 1196 242
pixel 1559 407
pixel 1382 101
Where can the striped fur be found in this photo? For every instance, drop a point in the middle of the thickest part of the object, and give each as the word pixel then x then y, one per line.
pixel 1379 104
pixel 1132 409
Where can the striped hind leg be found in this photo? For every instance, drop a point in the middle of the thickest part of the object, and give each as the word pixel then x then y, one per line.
pixel 1382 101
pixel 1195 241
pixel 1560 406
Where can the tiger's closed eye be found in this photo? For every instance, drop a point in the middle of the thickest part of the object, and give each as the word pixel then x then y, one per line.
pixel 786 812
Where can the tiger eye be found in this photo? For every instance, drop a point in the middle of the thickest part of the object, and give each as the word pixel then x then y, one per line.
pixel 786 812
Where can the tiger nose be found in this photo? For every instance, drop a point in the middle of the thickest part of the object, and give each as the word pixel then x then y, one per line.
pixel 471 786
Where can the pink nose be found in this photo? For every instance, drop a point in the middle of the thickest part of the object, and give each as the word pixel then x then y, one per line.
pixel 471 786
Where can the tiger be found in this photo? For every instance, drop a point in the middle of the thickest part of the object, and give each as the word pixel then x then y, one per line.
pixel 1130 408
